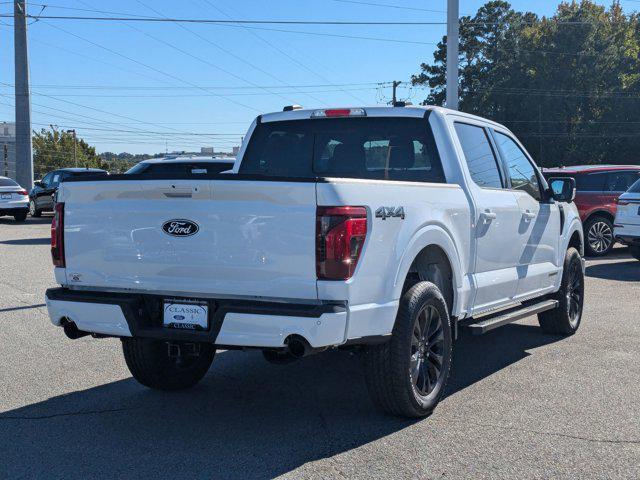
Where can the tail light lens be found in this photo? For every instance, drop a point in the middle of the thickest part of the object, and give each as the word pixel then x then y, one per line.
pixel 57 236
pixel 340 236
pixel 621 202
pixel 22 192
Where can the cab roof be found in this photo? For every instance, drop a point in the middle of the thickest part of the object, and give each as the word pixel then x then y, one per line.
pixel 409 111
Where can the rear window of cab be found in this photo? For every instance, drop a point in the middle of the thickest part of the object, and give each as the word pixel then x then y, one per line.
pixel 384 148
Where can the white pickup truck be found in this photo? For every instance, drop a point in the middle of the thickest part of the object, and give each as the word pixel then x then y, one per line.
pixel 387 230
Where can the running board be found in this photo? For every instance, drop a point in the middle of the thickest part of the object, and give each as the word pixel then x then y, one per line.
pixel 504 317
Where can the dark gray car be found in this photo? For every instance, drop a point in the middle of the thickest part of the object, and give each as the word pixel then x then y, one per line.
pixel 42 196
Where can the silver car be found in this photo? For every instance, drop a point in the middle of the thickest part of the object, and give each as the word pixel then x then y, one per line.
pixel 14 200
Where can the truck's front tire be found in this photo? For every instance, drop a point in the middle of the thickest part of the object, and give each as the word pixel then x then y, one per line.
pixel 565 318
pixel 407 375
pixel 151 364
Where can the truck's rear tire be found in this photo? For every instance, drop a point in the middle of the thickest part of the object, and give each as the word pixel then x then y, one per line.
pixel 407 375
pixel 150 364
pixel 565 318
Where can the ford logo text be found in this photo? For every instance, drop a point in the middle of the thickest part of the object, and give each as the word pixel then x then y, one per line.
pixel 180 228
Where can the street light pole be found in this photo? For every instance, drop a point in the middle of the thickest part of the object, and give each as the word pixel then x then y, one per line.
pixel 75 142
pixel 453 39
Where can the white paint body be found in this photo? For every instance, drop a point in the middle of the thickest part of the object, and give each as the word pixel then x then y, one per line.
pixel 257 242
pixel 627 222
pixel 10 198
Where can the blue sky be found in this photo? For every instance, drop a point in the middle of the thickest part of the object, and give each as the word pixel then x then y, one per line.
pixel 141 87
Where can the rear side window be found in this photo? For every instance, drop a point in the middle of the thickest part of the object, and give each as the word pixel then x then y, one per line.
pixel 590 182
pixel 481 160
pixel 7 182
pixel 620 181
pixel 368 148
pixel 635 188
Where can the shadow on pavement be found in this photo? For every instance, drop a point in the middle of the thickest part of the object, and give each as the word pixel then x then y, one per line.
pixel 620 271
pixel 44 220
pixel 247 419
pixel 27 241
pixel 25 307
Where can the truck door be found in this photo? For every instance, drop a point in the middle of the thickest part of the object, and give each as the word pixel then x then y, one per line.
pixel 538 233
pixel 495 217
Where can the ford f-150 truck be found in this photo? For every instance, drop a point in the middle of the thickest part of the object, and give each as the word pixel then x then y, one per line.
pixel 389 230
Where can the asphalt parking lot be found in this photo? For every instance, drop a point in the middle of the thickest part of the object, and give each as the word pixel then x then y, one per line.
pixel 521 404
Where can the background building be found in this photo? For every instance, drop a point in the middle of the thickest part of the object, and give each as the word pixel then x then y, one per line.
pixel 8 149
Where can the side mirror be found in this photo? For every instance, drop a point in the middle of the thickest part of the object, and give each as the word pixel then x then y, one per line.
pixel 38 183
pixel 562 189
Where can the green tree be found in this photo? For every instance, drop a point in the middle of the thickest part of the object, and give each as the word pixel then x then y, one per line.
pixel 567 85
pixel 53 148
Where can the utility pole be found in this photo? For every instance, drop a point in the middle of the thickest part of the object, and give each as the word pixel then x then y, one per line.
pixel 453 40
pixel 395 87
pixel 75 142
pixel 24 153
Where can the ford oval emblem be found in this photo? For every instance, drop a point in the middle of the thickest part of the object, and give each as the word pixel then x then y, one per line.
pixel 180 228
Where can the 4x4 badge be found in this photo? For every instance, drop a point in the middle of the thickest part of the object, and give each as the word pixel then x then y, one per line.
pixel 387 212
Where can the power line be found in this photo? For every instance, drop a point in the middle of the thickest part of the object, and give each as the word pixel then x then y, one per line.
pixel 212 87
pixel 203 60
pixel 222 21
pixel 174 77
pixel 272 22
pixel 199 95
pixel 386 5
pixel 273 46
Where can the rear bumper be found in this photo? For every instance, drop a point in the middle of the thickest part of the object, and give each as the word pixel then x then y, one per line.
pixel 627 234
pixel 14 209
pixel 231 322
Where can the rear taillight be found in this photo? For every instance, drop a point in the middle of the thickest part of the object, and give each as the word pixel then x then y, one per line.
pixel 621 202
pixel 57 236
pixel 340 236
pixel 22 192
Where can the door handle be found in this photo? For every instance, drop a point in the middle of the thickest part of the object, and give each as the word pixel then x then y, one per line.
pixel 529 215
pixel 487 216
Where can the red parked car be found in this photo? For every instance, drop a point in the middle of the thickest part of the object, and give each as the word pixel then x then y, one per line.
pixel 597 190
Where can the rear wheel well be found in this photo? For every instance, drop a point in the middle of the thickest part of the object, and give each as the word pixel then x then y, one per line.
pixel 432 265
pixel 600 213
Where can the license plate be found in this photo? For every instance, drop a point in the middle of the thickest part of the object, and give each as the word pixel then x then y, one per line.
pixel 186 315
pixel 6 196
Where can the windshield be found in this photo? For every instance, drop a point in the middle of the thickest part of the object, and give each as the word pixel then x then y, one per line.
pixel 370 148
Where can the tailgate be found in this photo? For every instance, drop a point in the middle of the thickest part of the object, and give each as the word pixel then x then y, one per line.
pixel 628 212
pixel 242 238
